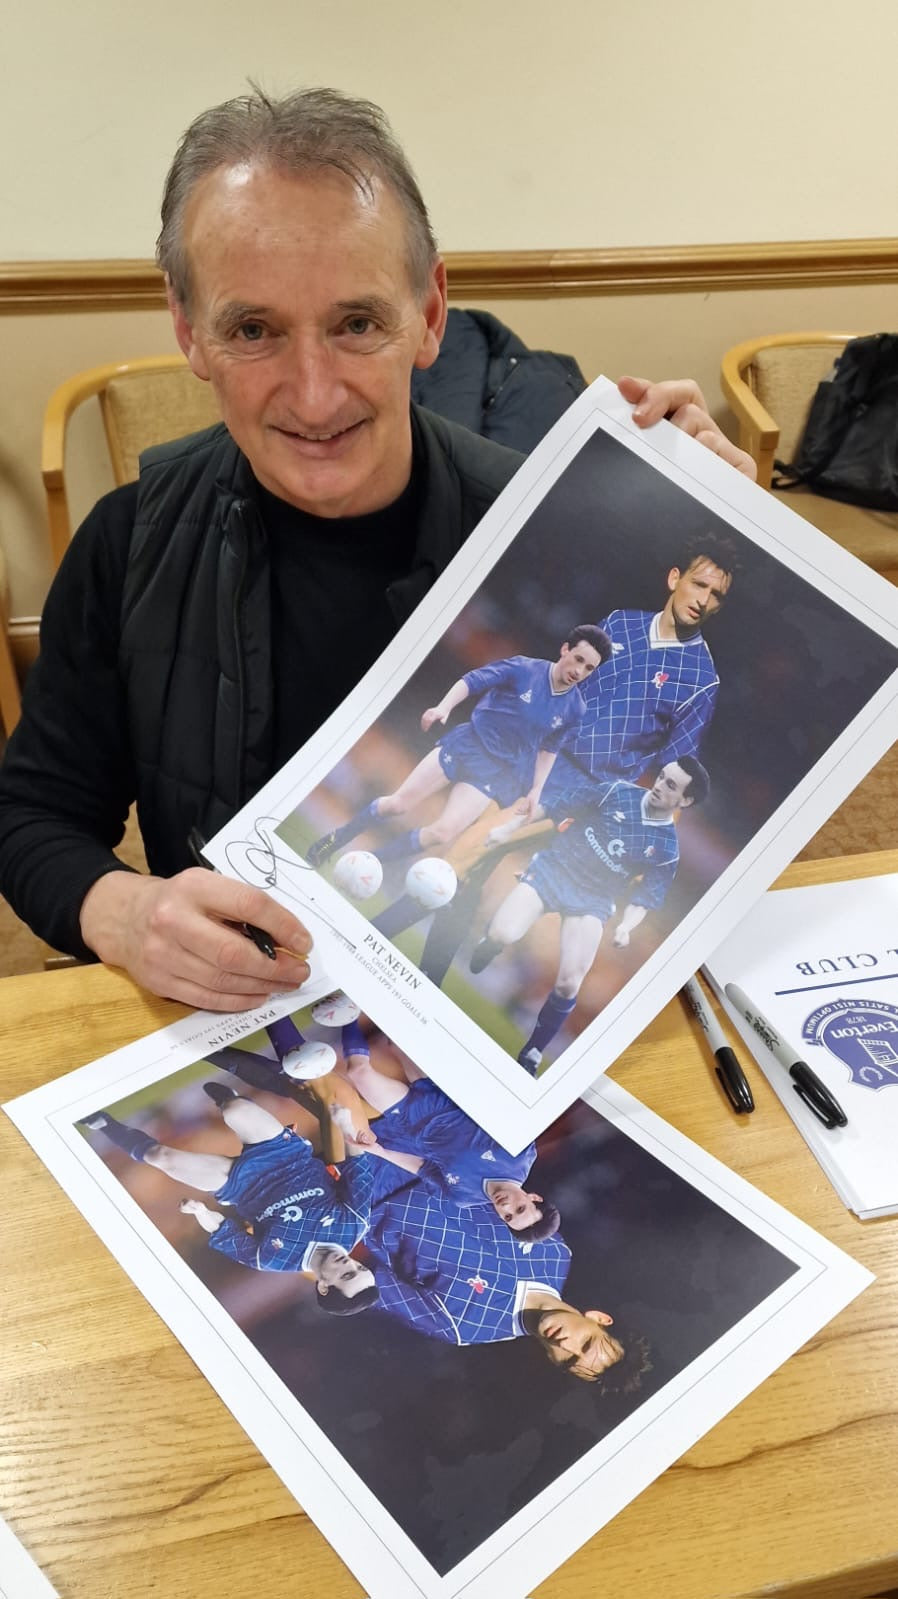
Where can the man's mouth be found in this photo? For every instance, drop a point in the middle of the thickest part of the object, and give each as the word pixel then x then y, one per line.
pixel 321 443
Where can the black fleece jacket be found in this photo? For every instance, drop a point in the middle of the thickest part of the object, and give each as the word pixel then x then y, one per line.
pixel 144 637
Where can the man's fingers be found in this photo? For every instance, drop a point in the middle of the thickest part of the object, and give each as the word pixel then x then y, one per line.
pixel 633 389
pixel 187 919
pixel 652 401
pixel 241 902
pixel 183 971
pixel 199 998
pixel 714 440
pixel 682 402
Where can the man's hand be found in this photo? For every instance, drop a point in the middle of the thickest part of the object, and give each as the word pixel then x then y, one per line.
pixel 681 401
pixel 434 714
pixel 621 939
pixel 176 936
pixel 355 1129
pixel 527 807
pixel 209 1220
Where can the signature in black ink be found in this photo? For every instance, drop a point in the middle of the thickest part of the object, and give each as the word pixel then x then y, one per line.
pixel 255 860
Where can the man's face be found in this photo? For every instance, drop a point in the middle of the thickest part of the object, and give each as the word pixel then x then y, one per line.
pixel 338 1270
pixel 575 663
pixel 578 1341
pixel 668 791
pixel 303 319
pixel 516 1208
pixel 696 594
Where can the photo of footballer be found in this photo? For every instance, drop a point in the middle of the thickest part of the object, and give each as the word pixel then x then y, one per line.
pixel 439 1308
pixel 595 792
pixel 632 615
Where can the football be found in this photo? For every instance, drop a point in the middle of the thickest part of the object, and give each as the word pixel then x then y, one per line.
pixel 358 873
pixel 432 882
pixel 335 1010
pixel 309 1060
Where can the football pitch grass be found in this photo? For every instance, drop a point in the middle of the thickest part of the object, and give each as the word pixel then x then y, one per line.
pixel 494 1020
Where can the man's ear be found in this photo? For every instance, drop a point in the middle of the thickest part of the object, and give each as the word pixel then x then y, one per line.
pixel 600 1316
pixel 184 333
pixel 435 308
pixel 673 578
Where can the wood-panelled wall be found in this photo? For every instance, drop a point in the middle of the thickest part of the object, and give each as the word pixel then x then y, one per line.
pixel 658 312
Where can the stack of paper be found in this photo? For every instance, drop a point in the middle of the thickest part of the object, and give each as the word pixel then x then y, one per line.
pixel 822 965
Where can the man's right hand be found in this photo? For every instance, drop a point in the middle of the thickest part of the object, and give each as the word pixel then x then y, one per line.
pixel 176 937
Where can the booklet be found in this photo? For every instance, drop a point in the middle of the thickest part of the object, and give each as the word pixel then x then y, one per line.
pixel 631 698
pixel 821 964
pixel 20 1578
pixel 461 1361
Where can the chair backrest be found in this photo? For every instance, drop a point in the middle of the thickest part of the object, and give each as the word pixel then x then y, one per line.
pixel 141 409
pixel 10 702
pixel 769 383
pixel 785 377
pixel 143 402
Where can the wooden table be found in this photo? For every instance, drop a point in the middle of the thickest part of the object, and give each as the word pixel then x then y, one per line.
pixel 793 1493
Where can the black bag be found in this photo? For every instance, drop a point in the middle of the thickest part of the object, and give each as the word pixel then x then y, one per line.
pixel 849 450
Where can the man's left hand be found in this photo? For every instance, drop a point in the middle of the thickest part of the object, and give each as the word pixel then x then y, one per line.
pixel 681 401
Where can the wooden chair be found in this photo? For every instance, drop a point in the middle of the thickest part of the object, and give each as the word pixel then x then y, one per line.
pixel 769 384
pixel 142 402
pixel 10 702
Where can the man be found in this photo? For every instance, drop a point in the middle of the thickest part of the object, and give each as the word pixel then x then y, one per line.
pixel 629 834
pixel 208 618
pixel 470 1282
pixel 655 701
pixel 301 1217
pixel 651 703
pixel 452 1155
pixel 524 710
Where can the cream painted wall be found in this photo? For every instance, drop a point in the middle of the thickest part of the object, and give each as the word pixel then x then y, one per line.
pixel 526 124
pixel 583 123
pixel 650 334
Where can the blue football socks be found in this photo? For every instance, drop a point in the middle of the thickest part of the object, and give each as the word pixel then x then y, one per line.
pixel 553 1015
pixel 135 1143
pixel 353 1040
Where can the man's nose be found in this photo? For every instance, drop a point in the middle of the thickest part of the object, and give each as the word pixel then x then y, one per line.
pixel 311 385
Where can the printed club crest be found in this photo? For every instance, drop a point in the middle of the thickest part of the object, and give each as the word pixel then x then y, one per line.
pixel 862 1034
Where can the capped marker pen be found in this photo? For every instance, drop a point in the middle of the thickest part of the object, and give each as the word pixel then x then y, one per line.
pixel 808 1086
pixel 730 1075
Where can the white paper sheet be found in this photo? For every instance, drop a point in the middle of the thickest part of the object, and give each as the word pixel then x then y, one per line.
pixel 20 1578
pixel 805 648
pixel 439 1471
pixel 821 964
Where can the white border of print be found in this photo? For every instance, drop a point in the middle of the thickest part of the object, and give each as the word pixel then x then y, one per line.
pixel 20 1578
pixel 466 1062
pixel 535 1541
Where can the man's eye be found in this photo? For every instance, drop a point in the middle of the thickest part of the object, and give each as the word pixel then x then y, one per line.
pixel 251 332
pixel 359 325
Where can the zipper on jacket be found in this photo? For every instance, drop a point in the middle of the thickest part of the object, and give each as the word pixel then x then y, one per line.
pixel 240 752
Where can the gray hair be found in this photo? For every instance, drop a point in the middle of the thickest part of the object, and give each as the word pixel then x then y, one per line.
pixel 299 133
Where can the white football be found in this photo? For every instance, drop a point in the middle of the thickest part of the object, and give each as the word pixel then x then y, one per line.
pixel 309 1060
pixel 336 1010
pixel 432 882
pixel 358 873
